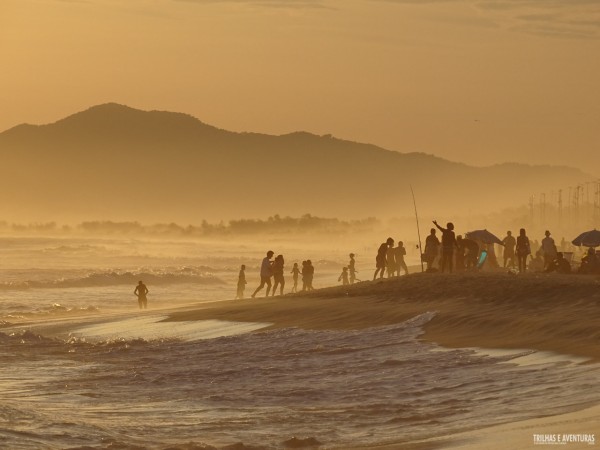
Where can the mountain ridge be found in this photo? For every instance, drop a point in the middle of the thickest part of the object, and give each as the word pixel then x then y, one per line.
pixel 96 162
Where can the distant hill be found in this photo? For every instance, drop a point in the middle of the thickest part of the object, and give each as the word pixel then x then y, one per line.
pixel 115 162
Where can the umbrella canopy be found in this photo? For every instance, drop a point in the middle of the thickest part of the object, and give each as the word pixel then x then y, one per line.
pixel 588 239
pixel 484 236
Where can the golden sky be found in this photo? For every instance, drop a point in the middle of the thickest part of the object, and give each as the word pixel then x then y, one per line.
pixel 479 81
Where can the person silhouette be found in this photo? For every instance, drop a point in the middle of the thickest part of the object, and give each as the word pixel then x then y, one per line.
pixel 432 245
pixel 523 249
pixel 344 276
pixel 380 259
pixel 390 261
pixel 241 285
pixel 400 253
pixel 141 291
pixel 295 272
pixel 508 254
pixel 352 269
pixel 310 273
pixel 549 249
pixel 448 244
pixel 278 274
pixel 265 274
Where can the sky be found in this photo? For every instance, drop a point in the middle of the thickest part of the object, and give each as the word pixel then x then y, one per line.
pixel 476 81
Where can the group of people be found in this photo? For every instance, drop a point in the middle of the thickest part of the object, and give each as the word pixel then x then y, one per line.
pixel 390 259
pixel 453 251
pixel 275 269
pixel 466 253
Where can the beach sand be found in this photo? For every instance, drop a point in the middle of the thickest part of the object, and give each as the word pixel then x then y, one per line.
pixel 545 312
pixel 549 312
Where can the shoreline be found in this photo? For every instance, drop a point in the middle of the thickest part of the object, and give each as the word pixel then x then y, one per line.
pixel 495 310
pixel 487 310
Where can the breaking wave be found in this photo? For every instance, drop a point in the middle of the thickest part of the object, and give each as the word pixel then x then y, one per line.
pixel 117 278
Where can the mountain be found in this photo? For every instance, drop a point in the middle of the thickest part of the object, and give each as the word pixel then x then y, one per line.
pixel 119 163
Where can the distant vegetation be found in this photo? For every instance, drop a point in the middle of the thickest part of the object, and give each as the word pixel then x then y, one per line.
pixel 275 225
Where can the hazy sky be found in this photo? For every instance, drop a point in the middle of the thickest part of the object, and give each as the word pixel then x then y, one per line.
pixel 480 81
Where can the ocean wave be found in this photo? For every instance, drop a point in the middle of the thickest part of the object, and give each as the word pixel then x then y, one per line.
pixel 117 278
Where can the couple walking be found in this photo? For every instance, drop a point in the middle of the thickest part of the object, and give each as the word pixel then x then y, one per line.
pixel 270 269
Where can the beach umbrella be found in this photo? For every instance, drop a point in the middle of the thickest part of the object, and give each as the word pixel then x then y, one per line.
pixel 588 239
pixel 484 236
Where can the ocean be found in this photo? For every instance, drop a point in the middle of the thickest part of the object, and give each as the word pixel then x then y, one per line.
pixel 121 378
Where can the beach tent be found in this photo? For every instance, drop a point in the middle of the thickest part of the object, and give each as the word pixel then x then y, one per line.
pixel 483 236
pixel 588 239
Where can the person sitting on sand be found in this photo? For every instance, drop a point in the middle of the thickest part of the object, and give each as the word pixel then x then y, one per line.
pixel 141 291
pixel 295 272
pixel 380 259
pixel 448 244
pixel 432 245
pixel 241 284
pixel 523 250
pixel 265 274
pixel 400 263
pixel 344 276
pixel 559 265
pixel 537 262
pixel 590 263
pixel 352 269
pixel 278 278
pixel 508 254
pixel 469 249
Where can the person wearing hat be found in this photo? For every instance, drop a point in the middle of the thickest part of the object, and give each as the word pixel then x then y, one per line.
pixel 549 249
pixel 265 274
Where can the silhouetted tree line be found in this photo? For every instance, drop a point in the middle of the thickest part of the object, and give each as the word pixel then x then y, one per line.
pixel 272 225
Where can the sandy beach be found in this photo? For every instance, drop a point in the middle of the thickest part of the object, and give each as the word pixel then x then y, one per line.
pixel 548 312
pixel 544 312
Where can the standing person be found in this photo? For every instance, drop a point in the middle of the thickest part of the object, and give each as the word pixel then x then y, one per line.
pixel 352 269
pixel 432 245
pixel 277 270
pixel 549 249
pixel 400 253
pixel 241 285
pixel 141 291
pixel 509 243
pixel 310 269
pixel 523 249
pixel 344 276
pixel 295 271
pixel 390 261
pixel 304 272
pixel 380 259
pixel 448 244
pixel 265 274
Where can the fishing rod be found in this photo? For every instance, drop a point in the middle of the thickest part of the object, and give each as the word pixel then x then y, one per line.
pixel 418 230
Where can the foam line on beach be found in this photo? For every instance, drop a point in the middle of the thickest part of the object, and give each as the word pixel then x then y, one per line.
pixel 153 327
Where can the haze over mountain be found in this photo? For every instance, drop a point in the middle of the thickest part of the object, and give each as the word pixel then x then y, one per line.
pixel 118 163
